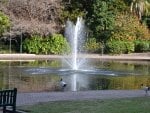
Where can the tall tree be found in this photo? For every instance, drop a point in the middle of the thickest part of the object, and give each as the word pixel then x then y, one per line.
pixel 102 20
pixel 75 8
pixel 140 8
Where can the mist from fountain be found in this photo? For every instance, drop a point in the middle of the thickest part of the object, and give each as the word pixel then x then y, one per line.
pixel 75 33
pixel 76 36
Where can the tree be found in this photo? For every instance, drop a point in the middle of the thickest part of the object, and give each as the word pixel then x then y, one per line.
pixel 102 20
pixel 140 8
pixel 74 8
pixel 33 16
pixel 128 28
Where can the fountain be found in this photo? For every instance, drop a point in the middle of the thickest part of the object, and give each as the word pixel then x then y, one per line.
pixel 76 35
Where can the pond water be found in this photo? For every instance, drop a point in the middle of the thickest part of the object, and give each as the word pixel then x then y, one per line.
pixel 44 75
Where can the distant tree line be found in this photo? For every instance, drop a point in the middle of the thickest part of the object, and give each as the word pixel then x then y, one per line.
pixel 120 26
pixel 113 26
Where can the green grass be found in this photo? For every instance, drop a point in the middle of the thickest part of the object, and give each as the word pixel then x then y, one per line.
pixel 128 105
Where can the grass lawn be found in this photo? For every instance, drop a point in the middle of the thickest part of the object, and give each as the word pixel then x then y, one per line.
pixel 126 105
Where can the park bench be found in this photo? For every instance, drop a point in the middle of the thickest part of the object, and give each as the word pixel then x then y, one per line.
pixel 8 99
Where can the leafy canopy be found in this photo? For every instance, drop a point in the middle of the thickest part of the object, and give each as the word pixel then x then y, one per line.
pixel 102 19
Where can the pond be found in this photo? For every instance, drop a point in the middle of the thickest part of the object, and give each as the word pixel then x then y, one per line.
pixel 44 75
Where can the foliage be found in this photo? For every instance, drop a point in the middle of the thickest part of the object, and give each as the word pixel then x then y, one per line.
pixel 102 20
pixel 73 9
pixel 119 6
pixel 146 20
pixel 58 44
pixel 115 47
pixel 142 33
pixel 100 16
pixel 71 15
pixel 4 23
pixel 3 48
pixel 92 46
pixel 4 1
pixel 140 8
pixel 33 16
pixel 130 47
pixel 106 20
pixel 128 28
pixel 55 44
pixel 142 46
pixel 33 44
pixel 119 47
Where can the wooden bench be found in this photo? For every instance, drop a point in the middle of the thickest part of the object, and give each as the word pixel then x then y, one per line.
pixel 8 99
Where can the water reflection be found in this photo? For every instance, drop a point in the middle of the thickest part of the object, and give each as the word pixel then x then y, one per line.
pixel 74 82
pixel 42 76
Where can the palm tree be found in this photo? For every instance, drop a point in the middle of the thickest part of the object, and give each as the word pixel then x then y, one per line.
pixel 140 8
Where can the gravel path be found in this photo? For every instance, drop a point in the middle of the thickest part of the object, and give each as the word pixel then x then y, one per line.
pixel 34 98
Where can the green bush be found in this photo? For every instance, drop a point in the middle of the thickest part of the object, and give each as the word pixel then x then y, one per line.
pixel 142 46
pixel 92 45
pixel 59 44
pixel 115 47
pixel 33 44
pixel 55 44
pixel 119 47
pixel 130 47
pixel 4 23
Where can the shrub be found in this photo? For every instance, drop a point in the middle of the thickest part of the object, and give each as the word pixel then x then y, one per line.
pixel 92 45
pixel 33 44
pixel 4 23
pixel 55 44
pixel 129 28
pixel 130 47
pixel 114 47
pixel 119 47
pixel 142 46
pixel 59 44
